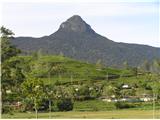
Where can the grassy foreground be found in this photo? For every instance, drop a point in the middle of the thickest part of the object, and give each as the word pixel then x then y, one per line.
pixel 118 114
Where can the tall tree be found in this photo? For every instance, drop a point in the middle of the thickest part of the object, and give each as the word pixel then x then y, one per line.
pixel 33 88
pixel 10 71
pixel 7 50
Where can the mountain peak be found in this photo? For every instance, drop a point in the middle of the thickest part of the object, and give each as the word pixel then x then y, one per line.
pixel 76 24
pixel 75 18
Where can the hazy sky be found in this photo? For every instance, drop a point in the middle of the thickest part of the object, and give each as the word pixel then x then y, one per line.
pixel 131 22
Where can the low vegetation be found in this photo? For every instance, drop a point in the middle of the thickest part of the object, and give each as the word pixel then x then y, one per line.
pixel 115 114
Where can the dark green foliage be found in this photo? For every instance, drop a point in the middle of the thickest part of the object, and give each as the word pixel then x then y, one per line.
pixel 7 109
pixel 9 65
pixel 57 82
pixel 33 88
pixel 44 105
pixel 123 105
pixel 12 75
pixel 65 104
pixel 12 71
pixel 28 105
pixel 146 106
pixel 134 71
pixel 86 92
pixel 7 50
pixel 93 105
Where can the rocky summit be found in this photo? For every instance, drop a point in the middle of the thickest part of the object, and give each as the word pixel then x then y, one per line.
pixel 75 24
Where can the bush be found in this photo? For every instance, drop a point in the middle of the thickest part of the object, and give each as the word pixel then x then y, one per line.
pixel 98 77
pixel 27 105
pixel 123 105
pixel 7 109
pixel 94 108
pixel 54 107
pixel 44 105
pixel 65 105
pixel 57 82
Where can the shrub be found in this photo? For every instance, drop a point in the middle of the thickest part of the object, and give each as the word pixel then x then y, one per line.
pixel 94 108
pixel 65 104
pixel 123 105
pixel 54 107
pixel 7 109
pixel 57 82
pixel 44 105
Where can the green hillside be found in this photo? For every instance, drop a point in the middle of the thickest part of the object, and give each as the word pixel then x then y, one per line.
pixel 73 71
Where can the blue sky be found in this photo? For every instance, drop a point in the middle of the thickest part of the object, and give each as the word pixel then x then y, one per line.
pixel 130 22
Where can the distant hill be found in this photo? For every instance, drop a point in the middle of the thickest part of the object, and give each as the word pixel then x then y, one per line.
pixel 76 39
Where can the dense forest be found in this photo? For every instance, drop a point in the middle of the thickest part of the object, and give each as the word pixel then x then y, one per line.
pixel 48 83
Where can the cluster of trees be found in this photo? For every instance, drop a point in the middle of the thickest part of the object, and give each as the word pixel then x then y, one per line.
pixel 87 91
pixel 21 80
pixel 12 74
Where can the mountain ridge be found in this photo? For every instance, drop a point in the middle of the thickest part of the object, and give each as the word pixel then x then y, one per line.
pixel 76 39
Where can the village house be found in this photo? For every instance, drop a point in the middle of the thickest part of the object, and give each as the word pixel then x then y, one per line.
pixel 146 99
pixel 125 86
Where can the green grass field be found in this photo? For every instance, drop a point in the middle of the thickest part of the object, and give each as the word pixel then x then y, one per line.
pixel 115 114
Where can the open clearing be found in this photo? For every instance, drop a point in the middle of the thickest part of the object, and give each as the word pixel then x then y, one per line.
pixel 132 114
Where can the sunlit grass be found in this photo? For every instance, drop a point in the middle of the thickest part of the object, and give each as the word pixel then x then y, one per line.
pixel 132 114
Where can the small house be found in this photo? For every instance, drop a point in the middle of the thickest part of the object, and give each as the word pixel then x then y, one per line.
pixel 146 99
pixel 125 86
pixel 8 91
